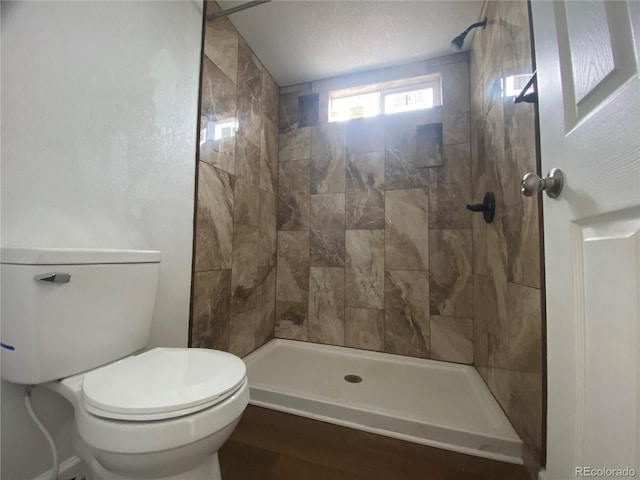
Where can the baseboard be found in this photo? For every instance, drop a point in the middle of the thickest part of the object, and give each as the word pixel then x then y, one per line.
pixel 71 468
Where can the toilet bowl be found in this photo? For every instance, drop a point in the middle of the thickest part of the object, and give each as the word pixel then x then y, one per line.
pixel 160 414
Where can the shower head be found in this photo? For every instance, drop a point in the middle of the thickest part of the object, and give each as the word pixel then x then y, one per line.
pixel 458 42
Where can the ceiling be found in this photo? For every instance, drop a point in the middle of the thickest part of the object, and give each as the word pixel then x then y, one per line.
pixel 305 40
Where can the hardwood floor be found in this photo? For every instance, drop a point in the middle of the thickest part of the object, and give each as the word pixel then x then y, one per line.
pixel 269 445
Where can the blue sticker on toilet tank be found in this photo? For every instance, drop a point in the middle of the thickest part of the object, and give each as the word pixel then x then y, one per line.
pixel 8 347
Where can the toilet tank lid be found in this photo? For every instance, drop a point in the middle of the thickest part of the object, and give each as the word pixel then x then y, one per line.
pixel 75 256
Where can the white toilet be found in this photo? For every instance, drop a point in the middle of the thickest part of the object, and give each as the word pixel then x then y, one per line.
pixel 72 319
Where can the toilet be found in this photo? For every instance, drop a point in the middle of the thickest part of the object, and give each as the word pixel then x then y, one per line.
pixel 76 321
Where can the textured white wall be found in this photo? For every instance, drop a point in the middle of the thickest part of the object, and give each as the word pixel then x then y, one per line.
pixel 99 107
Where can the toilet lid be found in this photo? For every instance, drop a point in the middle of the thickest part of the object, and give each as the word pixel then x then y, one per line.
pixel 162 383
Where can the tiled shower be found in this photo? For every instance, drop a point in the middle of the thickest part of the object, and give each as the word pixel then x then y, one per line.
pixel 356 233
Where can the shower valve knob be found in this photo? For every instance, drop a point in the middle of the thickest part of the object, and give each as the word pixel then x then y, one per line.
pixel 553 183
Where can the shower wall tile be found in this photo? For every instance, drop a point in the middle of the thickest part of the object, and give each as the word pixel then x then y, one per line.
pixel 288 112
pixel 525 407
pixel 328 158
pixel 266 307
pixel 293 195
pixel 429 144
pixel 365 135
pixel 308 110
pixel 268 155
pixel 292 321
pixel 221 42
pixel 406 229
pixel 249 99
pixel 217 104
pixel 246 189
pixel 326 305
pixel 450 189
pixel 326 236
pixel 365 191
pixel 270 97
pixel 292 283
pixel 407 313
pixel 450 275
pixel 364 328
pixel 294 145
pixel 452 339
pixel 211 309
pixel 267 237
pixel 497 294
pixel 364 273
pixel 214 219
pixel 525 329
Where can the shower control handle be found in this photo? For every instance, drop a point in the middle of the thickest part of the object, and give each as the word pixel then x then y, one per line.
pixel 553 184
pixel 54 278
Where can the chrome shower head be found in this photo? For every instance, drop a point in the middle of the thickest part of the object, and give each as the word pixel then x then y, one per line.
pixel 458 42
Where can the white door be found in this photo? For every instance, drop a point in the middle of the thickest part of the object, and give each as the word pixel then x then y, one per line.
pixel 587 55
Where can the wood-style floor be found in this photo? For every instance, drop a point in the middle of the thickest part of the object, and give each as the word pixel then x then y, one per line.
pixel 269 445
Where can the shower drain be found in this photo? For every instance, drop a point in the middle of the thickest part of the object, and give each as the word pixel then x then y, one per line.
pixel 353 378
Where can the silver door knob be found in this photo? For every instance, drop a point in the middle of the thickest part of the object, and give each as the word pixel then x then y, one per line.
pixel 553 183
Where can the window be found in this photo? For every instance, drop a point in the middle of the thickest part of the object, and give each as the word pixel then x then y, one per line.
pixel 211 130
pixel 385 98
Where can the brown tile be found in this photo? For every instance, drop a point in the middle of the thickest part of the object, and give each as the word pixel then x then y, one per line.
pixel 480 320
pixel 268 155
pixel 429 144
pixel 292 284
pixel 364 273
pixel 266 304
pixel 450 275
pixel 326 305
pixel 365 191
pixel 293 195
pixel 525 407
pixel 294 144
pixel 328 158
pixel 452 339
pixel 249 100
pixel 211 309
pixel 270 97
pixel 499 382
pixel 455 87
pixel 326 240
pixel 365 135
pixel 497 289
pixel 406 298
pixel 288 112
pixel 221 43
pixel 456 127
pixel 218 105
pixel 525 329
pixel 364 328
pixel 267 230
pixel 214 219
pixel 450 189
pixel 406 230
pixel 246 188
pixel 308 110
pixel 291 321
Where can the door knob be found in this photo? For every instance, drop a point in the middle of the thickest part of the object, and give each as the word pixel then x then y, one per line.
pixel 553 183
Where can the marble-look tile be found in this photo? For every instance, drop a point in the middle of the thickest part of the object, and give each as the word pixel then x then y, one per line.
pixel 406 298
pixel 450 189
pixel 456 127
pixel 452 339
pixel 450 273
pixel 365 191
pixel 214 219
pixel 292 283
pixel 211 309
pixel 326 236
pixel 249 100
pixel 328 158
pixel 456 86
pixel 293 195
pixel 218 104
pixel 270 97
pixel 406 229
pixel 268 155
pixel 288 112
pixel 247 182
pixel 364 328
pixel 267 230
pixel 326 305
pixel 480 314
pixel 291 321
pixel 497 288
pixel 365 135
pixel 221 42
pixel 266 304
pixel 429 144
pixel 495 157
pixel 525 407
pixel 499 382
pixel 525 329
pixel 479 229
pixel 308 110
pixel 403 168
pixel 364 272
pixel 294 145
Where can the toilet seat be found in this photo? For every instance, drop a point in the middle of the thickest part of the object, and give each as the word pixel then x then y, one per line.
pixel 162 383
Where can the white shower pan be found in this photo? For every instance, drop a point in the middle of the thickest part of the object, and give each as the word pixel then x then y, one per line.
pixel 439 404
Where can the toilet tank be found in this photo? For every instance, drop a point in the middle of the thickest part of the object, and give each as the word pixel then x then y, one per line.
pixel 65 311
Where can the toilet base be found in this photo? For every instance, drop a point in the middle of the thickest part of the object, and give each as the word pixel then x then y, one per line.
pixel 209 469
